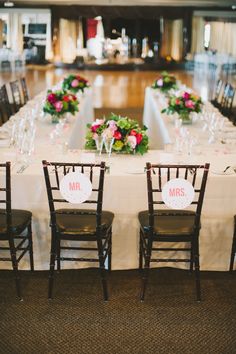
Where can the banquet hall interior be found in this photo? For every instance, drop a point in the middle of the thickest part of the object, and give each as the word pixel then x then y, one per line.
pixel 117 176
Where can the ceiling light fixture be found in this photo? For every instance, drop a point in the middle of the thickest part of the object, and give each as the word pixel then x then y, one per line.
pixel 8 4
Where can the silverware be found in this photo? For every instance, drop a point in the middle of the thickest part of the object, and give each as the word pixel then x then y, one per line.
pixel 226 168
pixel 22 169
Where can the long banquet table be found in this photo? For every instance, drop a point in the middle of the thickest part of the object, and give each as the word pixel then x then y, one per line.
pixel 125 195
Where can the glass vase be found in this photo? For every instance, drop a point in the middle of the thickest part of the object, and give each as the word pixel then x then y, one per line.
pixel 186 118
pixel 55 119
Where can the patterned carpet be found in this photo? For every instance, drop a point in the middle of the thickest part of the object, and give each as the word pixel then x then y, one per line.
pixel 78 321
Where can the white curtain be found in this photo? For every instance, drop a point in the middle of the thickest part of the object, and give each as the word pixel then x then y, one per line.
pixel 68 40
pixel 223 37
pixel 48 50
pixel 15 33
pixel 177 40
pixel 198 28
pixel 172 40
pixel 80 37
pixel 1 32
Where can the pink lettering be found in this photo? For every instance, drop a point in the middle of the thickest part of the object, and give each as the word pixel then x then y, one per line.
pixel 74 186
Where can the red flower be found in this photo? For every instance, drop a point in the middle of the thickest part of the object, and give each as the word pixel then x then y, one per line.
pixel 177 101
pixel 66 98
pixel 133 132
pixel 139 138
pixel 117 135
pixel 80 78
pixel 186 96
pixel 95 127
pixel 52 98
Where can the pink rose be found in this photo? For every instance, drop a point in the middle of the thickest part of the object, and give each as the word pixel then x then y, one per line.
pixel 186 95
pixel 95 127
pixel 112 125
pixel 132 141
pixel 75 83
pixel 58 106
pixel 189 104
pixel 51 98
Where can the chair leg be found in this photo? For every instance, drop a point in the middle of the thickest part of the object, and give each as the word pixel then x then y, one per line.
pixel 104 281
pixel 197 271
pixel 233 251
pixel 140 252
pixel 191 260
pixel 52 266
pixel 58 255
pixel 31 247
pixel 145 274
pixel 15 269
pixel 110 252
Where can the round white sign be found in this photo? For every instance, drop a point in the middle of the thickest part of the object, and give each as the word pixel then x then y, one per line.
pixel 178 193
pixel 75 187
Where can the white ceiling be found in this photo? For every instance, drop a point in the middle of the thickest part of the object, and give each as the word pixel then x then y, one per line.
pixel 203 3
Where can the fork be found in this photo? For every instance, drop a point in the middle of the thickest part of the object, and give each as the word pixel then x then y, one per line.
pixel 22 168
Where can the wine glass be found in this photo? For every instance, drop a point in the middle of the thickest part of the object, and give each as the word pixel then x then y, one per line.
pixel 108 143
pixel 99 143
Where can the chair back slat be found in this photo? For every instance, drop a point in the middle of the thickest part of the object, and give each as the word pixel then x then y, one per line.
pixel 24 90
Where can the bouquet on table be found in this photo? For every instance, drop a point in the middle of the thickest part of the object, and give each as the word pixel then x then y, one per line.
pixel 58 103
pixel 75 83
pixel 184 105
pixel 165 82
pixel 124 134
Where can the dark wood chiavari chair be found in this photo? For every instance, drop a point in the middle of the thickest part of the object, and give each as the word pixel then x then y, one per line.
pixel 5 107
pixel 166 226
pixel 226 105
pixel 233 251
pixel 16 95
pixel 219 86
pixel 15 230
pixel 93 226
pixel 24 89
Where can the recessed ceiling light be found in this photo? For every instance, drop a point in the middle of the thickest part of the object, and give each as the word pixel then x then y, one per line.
pixel 8 4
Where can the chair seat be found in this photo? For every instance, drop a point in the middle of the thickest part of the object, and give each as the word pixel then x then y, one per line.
pixel 20 220
pixel 171 222
pixel 81 222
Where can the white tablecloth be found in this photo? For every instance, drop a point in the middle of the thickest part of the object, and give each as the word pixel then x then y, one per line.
pixel 125 194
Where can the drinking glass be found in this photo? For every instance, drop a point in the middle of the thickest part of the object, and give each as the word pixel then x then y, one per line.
pixel 99 143
pixel 108 143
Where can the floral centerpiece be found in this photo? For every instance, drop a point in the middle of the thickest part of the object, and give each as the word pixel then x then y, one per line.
pixel 60 102
pixel 75 83
pixel 128 137
pixel 165 82
pixel 184 105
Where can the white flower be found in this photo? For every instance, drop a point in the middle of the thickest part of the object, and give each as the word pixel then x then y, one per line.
pixel 132 141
